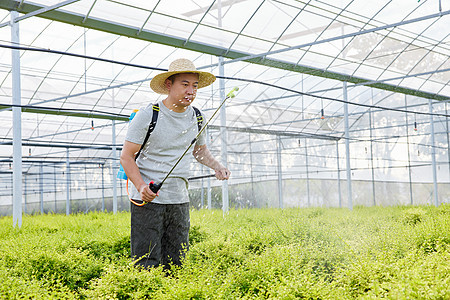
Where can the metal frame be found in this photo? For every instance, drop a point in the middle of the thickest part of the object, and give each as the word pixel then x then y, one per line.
pixel 234 56
pixel 261 59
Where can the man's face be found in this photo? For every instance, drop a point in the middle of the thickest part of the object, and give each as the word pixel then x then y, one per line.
pixel 183 89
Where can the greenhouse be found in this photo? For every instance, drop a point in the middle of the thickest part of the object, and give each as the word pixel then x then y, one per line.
pixel 339 103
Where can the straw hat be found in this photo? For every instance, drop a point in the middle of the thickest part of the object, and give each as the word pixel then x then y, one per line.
pixel 178 66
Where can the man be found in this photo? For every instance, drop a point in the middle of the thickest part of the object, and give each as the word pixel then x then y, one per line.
pixel 160 228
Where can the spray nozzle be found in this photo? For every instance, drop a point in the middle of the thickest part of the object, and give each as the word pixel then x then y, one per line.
pixel 231 93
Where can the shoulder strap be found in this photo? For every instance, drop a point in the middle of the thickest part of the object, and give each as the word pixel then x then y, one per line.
pixel 155 108
pixel 199 116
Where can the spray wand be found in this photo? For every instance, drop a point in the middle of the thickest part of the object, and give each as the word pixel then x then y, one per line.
pixel 155 187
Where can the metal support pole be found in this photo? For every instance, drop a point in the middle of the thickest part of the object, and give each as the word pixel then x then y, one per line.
pixel 202 200
pixel 279 169
pixel 24 193
pixel 251 171
pixel 209 193
pixel 371 152
pixel 223 119
pixel 209 179
pixel 433 155
pixel 120 182
pixel 41 188
pixel 114 168
pixel 202 192
pixel 338 174
pixel 67 182
pixel 12 188
pixel 86 205
pixel 55 187
pixel 411 201
pixel 448 139
pixel 103 188
pixel 307 174
pixel 17 124
pixel 223 135
pixel 347 150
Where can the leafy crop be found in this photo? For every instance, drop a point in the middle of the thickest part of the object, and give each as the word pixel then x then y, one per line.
pixel 315 253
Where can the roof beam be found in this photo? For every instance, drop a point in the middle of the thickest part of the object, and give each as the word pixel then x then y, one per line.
pixel 291 134
pixel 74 162
pixel 67 112
pixel 160 38
pixel 39 11
pixel 53 144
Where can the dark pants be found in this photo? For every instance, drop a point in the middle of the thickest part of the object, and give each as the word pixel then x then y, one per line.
pixel 159 233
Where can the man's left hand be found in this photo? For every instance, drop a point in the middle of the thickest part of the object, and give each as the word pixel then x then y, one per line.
pixel 223 173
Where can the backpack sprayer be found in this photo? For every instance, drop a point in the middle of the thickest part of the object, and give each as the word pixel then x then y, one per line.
pixel 121 174
pixel 155 187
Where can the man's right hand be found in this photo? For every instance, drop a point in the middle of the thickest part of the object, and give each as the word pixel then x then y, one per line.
pixel 146 194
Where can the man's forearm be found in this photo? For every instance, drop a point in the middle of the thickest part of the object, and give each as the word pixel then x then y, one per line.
pixel 204 156
pixel 132 171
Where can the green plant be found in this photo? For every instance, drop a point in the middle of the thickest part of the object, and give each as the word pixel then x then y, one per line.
pixel 412 216
pixel 317 253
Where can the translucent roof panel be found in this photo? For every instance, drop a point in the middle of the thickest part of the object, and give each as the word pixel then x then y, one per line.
pixel 387 35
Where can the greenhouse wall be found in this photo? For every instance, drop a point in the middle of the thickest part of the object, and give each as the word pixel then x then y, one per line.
pixel 262 194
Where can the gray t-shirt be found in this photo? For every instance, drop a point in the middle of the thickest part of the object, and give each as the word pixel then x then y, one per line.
pixel 171 136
